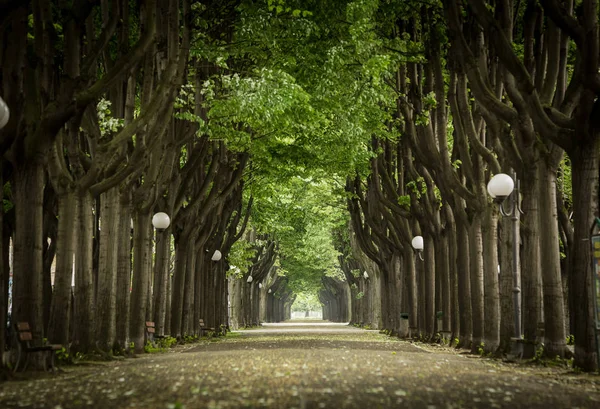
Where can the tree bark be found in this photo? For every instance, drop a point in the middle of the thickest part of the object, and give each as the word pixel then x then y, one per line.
pixel 84 338
pixel 68 209
pixel 506 283
pixel 187 314
pixel 141 276
pixel 106 298
pixel 530 272
pixel 123 274
pixel 554 318
pixel 586 168
pixel 476 274
pixel 161 275
pixel 177 291
pixel 429 281
pixel 28 188
pixel 464 287
pixel 491 328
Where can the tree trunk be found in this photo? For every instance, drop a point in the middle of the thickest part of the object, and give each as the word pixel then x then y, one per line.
pixel 530 272
pixel 28 189
pixel 139 295
pixel 554 321
pixel 123 274
pixel 149 268
pixel 187 314
pixel 4 275
pixel 161 275
pixel 106 327
pixel 445 286
pixel 177 291
pixel 453 278
pixel 491 328
pixel 585 170
pixel 507 311
pixel 84 338
pixel 429 264
pixel 235 294
pixel 58 328
pixel 464 287
pixel 200 259
pixel 476 271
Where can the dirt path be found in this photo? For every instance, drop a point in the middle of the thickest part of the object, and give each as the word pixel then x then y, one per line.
pixel 313 365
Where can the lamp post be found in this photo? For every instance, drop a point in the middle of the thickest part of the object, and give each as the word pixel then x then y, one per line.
pixel 500 187
pixel 4 113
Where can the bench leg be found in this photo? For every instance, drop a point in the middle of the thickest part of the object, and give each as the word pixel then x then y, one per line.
pixel 52 366
pixel 18 360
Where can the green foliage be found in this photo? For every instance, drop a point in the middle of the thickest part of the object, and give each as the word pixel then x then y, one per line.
pixel 301 215
pixel 64 356
pixel 360 295
pixel 160 345
pixel 108 124
pixel 7 205
pixel 240 258
pixel 306 301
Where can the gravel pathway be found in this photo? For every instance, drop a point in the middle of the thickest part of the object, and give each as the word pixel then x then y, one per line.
pixel 304 365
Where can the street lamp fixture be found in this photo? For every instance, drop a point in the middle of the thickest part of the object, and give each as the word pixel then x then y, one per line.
pixel 249 280
pixel 259 285
pixel 500 187
pixel 216 256
pixel 269 291
pixel 366 275
pixel 161 221
pixel 4 113
pixel 417 243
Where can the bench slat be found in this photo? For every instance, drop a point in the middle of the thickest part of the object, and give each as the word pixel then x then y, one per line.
pixel 23 326
pixel 25 336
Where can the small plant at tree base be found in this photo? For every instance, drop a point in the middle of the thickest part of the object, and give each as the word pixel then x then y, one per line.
pixel 539 353
pixel 63 355
pixel 188 339
pixel 167 342
pixel 481 349
pixel 571 339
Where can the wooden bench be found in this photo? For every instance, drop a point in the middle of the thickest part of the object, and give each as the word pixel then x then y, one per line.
pixel 151 332
pixel 26 346
pixel 203 327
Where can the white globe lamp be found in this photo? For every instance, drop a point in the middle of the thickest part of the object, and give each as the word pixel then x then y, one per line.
pixel 500 186
pixel 216 256
pixel 161 221
pixel 249 280
pixel 417 243
pixel 4 113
